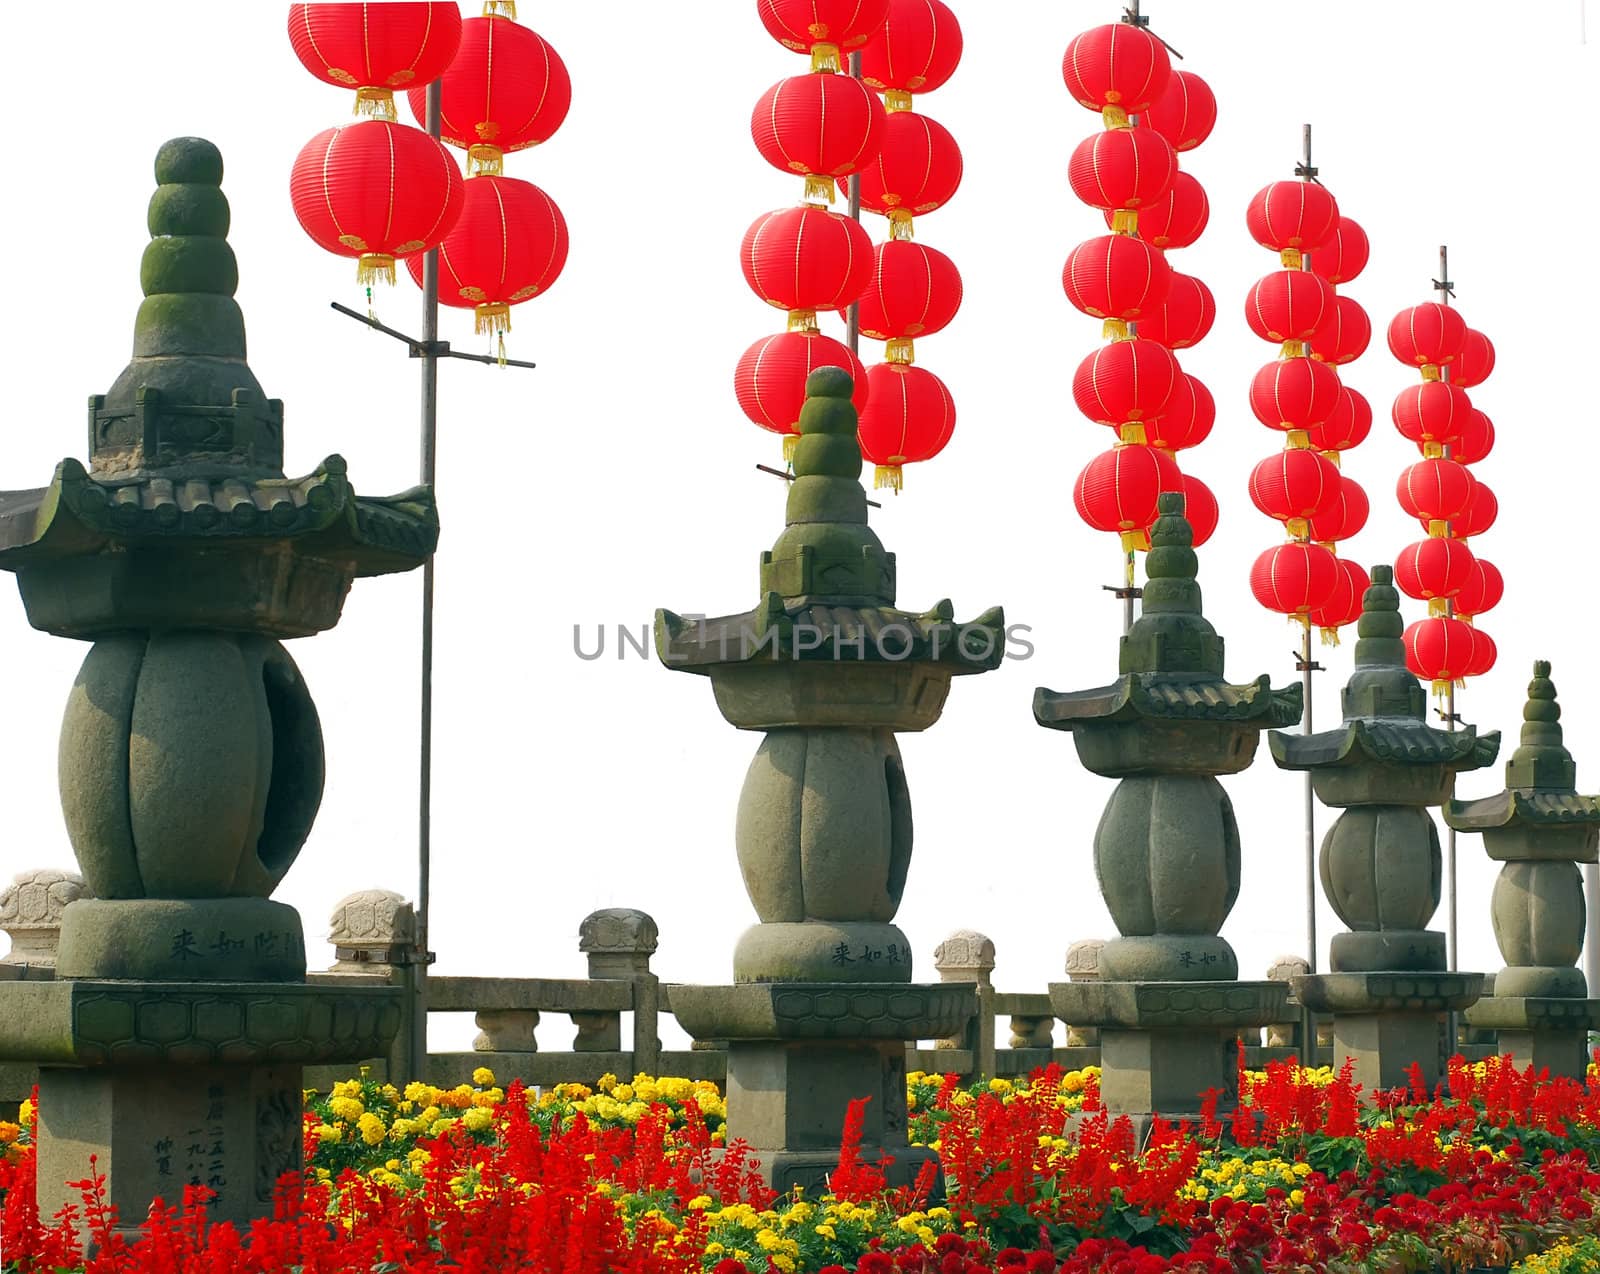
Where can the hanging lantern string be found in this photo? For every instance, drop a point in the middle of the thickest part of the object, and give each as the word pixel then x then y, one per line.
pixel 1133 18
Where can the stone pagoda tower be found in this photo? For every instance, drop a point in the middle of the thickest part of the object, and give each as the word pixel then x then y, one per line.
pixel 823 1001
pixel 1167 854
pixel 1380 862
pixel 1541 829
pixel 170 1041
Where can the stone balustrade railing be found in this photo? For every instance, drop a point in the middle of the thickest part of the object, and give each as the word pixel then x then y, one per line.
pixel 370 932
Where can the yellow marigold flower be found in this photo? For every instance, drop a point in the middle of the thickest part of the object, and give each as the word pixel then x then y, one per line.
pixel 1000 1086
pixel 327 1134
pixel 416 1092
pixel 478 1119
pixel 623 1092
pixel 372 1129
pixel 825 1231
pixel 482 1076
pixel 9 1132
pixel 715 1249
pixel 25 1113
pixel 606 1083
pixel 429 1117
pixel 349 1109
pixel 602 1187
pixel 782 1262
pixel 699 1203
pixel 1297 1197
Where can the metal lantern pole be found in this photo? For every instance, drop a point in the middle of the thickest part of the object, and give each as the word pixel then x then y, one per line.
pixel 853 322
pixel 1306 666
pixel 1443 286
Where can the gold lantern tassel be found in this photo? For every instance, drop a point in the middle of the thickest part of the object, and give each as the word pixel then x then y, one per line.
pixel 824 59
pixel 492 316
pixel 375 267
pixel 888 475
pixel 1301 621
pixel 1438 530
pixel 803 321
pixel 1438 606
pixel 1430 371
pixel 1291 259
pixel 900 224
pixel 790 442
pixel 1135 542
pixel 376 102
pixel 1292 349
pixel 1125 221
pixel 1132 431
pixel 1433 450
pixel 1297 440
pixel 1330 636
pixel 1114 330
pixel 1335 458
pixel 896 99
pixel 1441 688
pixel 899 349
pixel 1113 117
pixel 1297 529
pixel 819 189
pixel 500 9
pixel 484 160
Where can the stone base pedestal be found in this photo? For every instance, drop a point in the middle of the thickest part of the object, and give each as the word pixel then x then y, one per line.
pixel 1548 1033
pixel 1164 1045
pixel 1386 1022
pixel 154 1130
pixel 800 1052
pixel 171 1083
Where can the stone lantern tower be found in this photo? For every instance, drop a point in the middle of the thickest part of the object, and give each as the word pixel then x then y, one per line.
pixel 1380 862
pixel 829 671
pixel 1540 828
pixel 1168 1001
pixel 171 1040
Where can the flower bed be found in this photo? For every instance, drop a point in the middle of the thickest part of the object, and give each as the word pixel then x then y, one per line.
pixel 1496 1167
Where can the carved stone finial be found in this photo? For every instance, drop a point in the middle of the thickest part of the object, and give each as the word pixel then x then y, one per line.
pixel 1083 959
pixel 965 956
pixel 1542 761
pixel 366 927
pixel 30 912
pixel 1171 635
pixel 1286 967
pixel 619 941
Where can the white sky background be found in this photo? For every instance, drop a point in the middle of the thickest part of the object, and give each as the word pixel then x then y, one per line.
pixel 619 476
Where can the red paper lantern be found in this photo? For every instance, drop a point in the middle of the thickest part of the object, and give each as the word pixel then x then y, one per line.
pixel 1475 361
pixel 1295 578
pixel 1294 486
pixel 1120 66
pixel 1483 507
pixel 1440 649
pixel 914 291
pixel 1347 425
pixel 1344 333
pixel 1122 168
pixel 1288 305
pixel 917 50
pixel 1431 412
pixel 375 48
pixel 506 90
pixel 1294 393
pixel 1184 318
pixel 1344 605
pixel 1187 418
pixel 821 126
pixel 909 417
pixel 917 169
pixel 801 25
pixel 1200 508
pixel 1433 568
pixel 1434 490
pixel 1344 515
pixel 376 191
pixel 1292 214
pixel 770 379
pixel 1176 219
pixel 1483 589
pixel 806 258
pixel 1343 255
pixel 1476 440
pixel 1185 113
pixel 1125 381
pixel 1118 490
pixel 508 246
pixel 1426 335
pixel 1116 277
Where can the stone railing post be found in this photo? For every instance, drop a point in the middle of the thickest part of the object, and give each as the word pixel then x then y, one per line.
pixel 30 913
pixel 1083 965
pixel 619 942
pixel 968 956
pixel 373 932
pixel 1288 1033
